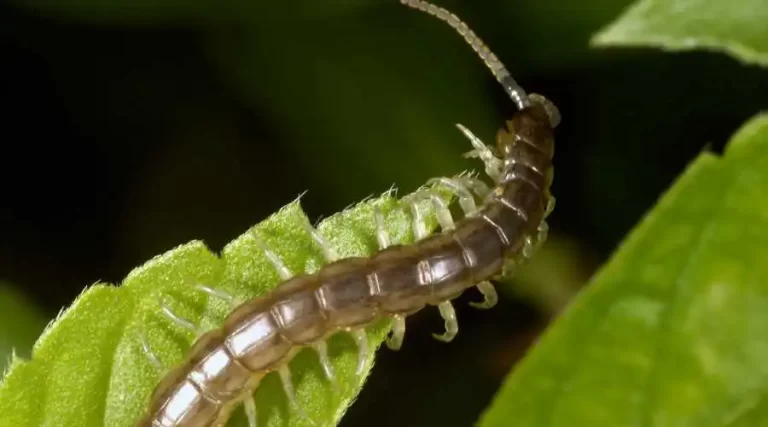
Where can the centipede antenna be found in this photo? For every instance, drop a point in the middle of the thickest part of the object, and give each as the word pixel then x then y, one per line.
pixel 498 69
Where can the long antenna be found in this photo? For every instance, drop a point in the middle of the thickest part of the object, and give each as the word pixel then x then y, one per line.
pixel 489 58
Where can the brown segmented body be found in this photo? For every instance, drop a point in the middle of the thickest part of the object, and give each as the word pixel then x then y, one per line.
pixel 225 365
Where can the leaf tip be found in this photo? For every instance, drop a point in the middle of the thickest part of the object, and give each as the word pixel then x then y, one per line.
pixel 754 131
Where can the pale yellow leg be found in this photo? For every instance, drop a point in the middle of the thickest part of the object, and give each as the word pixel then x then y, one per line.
pixel 287 381
pixel 250 410
pixel 321 348
pixel 451 324
pixel 395 341
pixel 361 339
pixel 490 297
pixel 382 236
pixel 272 257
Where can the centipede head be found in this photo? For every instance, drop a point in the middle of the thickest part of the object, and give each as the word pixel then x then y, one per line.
pixel 532 125
pixel 553 113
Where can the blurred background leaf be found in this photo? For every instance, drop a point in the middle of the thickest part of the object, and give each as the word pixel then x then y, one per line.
pixel 735 27
pixel 672 329
pixel 20 324
pixel 553 277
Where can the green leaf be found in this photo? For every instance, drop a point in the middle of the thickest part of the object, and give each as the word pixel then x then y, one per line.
pixel 89 368
pixel 20 324
pixel 736 27
pixel 673 331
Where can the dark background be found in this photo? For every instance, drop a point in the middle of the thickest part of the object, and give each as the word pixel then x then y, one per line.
pixel 131 128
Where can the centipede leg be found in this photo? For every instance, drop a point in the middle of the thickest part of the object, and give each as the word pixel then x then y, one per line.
pixel 275 260
pixel 151 356
pixel 490 297
pixel 216 293
pixel 451 324
pixel 419 225
pixel 444 216
pixel 543 230
pixel 466 199
pixel 493 164
pixel 287 381
pixel 509 267
pixel 395 341
pixel 178 320
pixel 528 247
pixel 382 236
pixel 361 339
pixel 328 252
pixel 442 211
pixel 249 404
pixel 475 185
pixel 550 206
pixel 321 348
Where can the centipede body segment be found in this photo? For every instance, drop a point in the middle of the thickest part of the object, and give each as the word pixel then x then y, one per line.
pixel 260 336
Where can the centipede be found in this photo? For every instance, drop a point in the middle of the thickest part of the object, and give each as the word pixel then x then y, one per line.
pixel 501 226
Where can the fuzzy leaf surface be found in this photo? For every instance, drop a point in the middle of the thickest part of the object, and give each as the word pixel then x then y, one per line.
pixel 89 367
pixel 20 324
